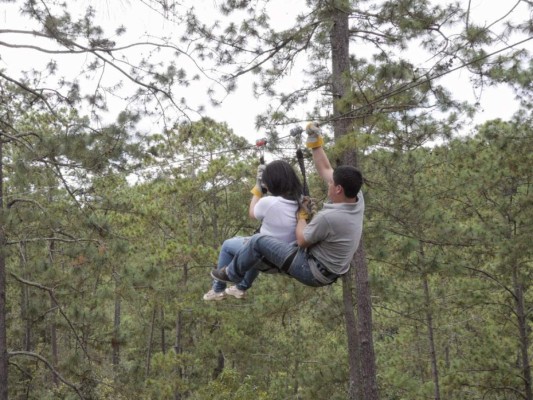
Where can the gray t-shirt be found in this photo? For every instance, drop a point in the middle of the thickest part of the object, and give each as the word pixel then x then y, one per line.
pixel 335 233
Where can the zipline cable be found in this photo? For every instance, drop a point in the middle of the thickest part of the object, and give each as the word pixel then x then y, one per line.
pixel 385 96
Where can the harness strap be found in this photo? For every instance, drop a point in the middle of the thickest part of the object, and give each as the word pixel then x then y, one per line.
pixel 286 264
pixel 288 261
pixel 300 158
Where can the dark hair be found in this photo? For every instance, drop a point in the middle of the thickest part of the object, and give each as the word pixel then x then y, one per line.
pixel 350 178
pixel 281 180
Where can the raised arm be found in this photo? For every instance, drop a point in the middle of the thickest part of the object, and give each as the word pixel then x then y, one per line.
pixel 257 191
pixel 315 142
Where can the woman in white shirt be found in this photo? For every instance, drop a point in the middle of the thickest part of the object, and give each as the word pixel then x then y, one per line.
pixel 277 213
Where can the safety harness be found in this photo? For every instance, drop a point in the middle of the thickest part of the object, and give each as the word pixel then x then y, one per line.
pixel 296 133
pixel 328 276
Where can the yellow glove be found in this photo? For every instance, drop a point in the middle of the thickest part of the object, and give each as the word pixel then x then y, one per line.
pixel 302 214
pixel 257 190
pixel 314 137
pixel 308 208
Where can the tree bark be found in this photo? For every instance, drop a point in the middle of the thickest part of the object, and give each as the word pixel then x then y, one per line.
pixel 364 312
pixel 177 349
pixel 53 339
pixel 163 334
pixel 25 300
pixel 355 385
pixel 52 324
pixel 3 328
pixel 340 58
pixel 524 341
pixel 150 342
pixel 432 349
pixel 220 365
pixel 116 325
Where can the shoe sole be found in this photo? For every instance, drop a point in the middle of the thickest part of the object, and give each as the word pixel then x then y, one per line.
pixel 221 280
pixel 237 296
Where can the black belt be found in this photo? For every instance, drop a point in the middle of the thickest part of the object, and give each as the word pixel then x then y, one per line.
pixel 326 273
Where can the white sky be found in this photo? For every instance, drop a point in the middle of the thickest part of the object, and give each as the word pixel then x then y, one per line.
pixel 240 108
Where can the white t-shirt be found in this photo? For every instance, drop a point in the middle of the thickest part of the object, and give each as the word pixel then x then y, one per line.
pixel 278 217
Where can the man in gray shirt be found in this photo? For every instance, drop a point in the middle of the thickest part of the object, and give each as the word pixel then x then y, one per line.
pixel 325 246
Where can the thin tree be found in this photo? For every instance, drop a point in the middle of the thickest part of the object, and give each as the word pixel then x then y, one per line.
pixel 3 328
pixel 362 359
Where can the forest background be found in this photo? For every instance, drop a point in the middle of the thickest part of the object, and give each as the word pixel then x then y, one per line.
pixel 108 228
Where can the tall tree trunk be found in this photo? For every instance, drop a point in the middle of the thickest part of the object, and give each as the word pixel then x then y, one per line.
pixel 214 214
pixel 432 349
pixel 179 318
pixel 150 342
pixel 364 313
pixel 421 351
pixel 524 340
pixel 116 325
pixel 177 343
pixel 163 335
pixel 53 338
pixel 3 328
pixel 340 58
pixel 52 323
pixel 177 349
pixel 355 386
pixel 25 300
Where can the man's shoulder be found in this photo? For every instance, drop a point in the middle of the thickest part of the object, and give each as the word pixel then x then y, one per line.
pixel 337 212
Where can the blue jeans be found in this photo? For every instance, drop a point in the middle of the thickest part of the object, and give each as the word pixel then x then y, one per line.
pixel 275 251
pixel 229 249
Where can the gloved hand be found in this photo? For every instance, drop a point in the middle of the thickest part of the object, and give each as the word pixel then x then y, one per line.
pixel 302 214
pixel 307 209
pixel 257 190
pixel 314 137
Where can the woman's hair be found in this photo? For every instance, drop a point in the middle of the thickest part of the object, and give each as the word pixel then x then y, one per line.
pixel 281 180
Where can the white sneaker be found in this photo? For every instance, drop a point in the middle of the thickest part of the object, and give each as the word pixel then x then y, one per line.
pixel 212 295
pixel 236 292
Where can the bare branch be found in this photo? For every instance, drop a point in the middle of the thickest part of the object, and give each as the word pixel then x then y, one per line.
pixel 29 90
pixel 52 295
pixel 494 279
pixel 50 367
pixel 14 201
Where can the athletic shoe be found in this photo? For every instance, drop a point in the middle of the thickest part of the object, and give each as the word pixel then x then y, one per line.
pixel 236 292
pixel 221 275
pixel 216 296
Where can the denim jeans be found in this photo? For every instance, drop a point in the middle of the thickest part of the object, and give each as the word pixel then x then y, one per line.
pixel 229 248
pixel 275 251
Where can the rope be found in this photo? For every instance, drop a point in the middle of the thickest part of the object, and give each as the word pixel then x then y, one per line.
pixel 300 158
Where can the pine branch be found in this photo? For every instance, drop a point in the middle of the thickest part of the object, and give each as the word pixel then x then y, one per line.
pixel 50 367
pixel 52 295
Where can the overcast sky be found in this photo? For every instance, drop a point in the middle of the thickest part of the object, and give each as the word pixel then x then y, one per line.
pixel 240 108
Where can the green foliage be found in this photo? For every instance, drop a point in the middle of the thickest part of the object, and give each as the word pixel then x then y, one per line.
pixel 230 385
pixel 454 217
pixel 106 276
pixel 447 233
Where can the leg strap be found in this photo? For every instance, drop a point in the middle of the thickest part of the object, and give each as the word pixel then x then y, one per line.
pixel 285 266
